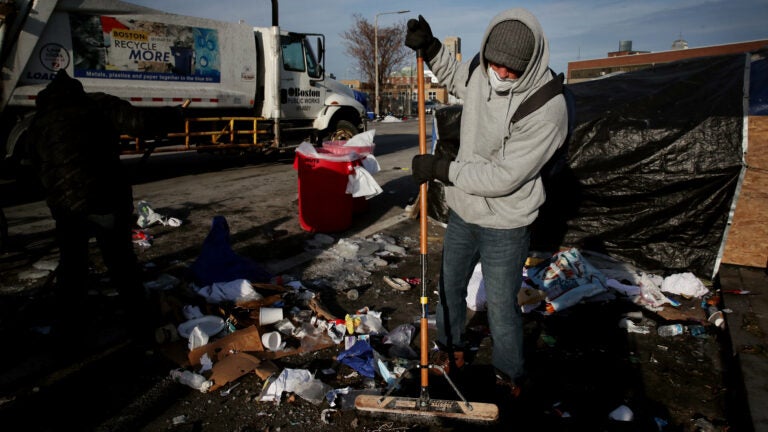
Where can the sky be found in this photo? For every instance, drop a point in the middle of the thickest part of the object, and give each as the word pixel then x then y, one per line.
pixel 582 30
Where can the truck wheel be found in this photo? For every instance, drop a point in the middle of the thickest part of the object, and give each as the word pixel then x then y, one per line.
pixel 17 159
pixel 343 131
pixel 3 232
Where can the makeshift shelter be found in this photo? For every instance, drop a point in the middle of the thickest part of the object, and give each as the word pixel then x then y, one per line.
pixel 655 164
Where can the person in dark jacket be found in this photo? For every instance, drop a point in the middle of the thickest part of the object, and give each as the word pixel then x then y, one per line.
pixel 75 139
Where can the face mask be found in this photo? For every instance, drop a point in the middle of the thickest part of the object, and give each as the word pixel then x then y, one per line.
pixel 501 85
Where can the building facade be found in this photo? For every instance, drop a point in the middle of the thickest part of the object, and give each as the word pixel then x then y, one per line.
pixel 627 60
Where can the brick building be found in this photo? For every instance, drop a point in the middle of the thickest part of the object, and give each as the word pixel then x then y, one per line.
pixel 626 60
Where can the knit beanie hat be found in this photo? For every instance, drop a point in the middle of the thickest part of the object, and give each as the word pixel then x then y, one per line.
pixel 62 87
pixel 510 44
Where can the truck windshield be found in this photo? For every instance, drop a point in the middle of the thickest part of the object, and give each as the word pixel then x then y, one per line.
pixel 299 56
pixel 293 53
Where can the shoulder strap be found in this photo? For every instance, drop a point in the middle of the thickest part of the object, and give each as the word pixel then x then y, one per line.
pixel 541 96
pixel 473 64
pixel 535 101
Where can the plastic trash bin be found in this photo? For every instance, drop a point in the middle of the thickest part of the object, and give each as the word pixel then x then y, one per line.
pixel 360 204
pixel 324 204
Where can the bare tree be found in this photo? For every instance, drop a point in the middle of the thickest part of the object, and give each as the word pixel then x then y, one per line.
pixel 360 45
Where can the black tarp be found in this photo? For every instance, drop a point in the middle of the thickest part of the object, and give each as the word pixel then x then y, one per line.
pixel 653 166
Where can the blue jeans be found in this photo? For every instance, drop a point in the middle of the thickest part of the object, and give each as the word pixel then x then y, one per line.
pixel 502 254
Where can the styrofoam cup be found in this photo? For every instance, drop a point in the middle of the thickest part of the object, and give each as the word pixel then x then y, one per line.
pixel 269 315
pixel 622 413
pixel 271 340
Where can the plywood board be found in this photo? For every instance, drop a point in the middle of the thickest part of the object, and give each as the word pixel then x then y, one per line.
pixel 747 242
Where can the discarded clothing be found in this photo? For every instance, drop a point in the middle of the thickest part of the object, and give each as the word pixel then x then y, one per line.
pixel 567 278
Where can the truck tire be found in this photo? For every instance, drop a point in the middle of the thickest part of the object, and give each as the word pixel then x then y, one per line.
pixel 3 232
pixel 17 154
pixel 343 131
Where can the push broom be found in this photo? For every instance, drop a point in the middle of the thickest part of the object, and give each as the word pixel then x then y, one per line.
pixel 424 406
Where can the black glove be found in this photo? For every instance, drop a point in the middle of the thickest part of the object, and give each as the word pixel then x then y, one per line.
pixel 428 167
pixel 419 37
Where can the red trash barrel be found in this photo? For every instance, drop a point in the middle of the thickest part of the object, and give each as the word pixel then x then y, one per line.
pixel 359 204
pixel 324 204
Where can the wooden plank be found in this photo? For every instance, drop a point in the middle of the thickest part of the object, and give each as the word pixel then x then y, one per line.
pixel 747 242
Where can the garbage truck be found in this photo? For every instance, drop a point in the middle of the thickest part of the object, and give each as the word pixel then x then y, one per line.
pixel 257 88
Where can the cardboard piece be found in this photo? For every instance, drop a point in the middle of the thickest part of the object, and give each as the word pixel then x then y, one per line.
pixel 247 339
pixel 231 368
pixel 266 369
pixel 320 310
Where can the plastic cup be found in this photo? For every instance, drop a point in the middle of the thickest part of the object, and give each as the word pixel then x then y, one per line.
pixel 622 413
pixel 269 315
pixel 271 340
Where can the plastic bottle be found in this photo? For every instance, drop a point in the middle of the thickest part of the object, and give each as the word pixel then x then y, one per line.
pixel 671 330
pixel 697 330
pixel 191 379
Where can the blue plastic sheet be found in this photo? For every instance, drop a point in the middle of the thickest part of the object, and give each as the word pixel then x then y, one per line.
pixel 360 358
pixel 217 261
pixel 758 86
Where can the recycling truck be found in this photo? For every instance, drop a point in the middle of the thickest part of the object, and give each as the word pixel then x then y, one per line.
pixel 245 87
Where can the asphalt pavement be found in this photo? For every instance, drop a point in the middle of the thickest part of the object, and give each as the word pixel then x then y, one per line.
pixel 745 296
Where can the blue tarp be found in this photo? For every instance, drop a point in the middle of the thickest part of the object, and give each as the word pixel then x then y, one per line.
pixel 758 87
pixel 217 261
pixel 360 358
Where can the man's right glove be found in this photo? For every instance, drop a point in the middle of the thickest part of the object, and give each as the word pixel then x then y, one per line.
pixel 427 167
pixel 419 37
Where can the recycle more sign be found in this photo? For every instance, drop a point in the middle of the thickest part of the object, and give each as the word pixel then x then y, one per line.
pixel 116 48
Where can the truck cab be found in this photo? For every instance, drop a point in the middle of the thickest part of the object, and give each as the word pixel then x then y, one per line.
pixel 308 99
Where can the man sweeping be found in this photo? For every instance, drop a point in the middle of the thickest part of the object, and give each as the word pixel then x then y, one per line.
pixel 493 188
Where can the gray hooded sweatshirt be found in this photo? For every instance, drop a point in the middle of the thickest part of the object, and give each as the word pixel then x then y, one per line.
pixel 496 181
